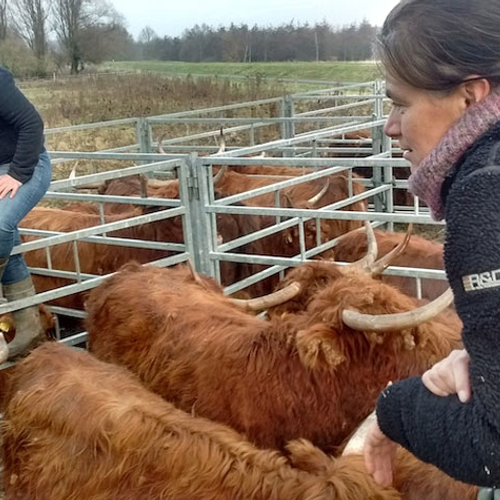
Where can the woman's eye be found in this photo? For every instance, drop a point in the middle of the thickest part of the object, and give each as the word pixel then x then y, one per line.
pixel 397 106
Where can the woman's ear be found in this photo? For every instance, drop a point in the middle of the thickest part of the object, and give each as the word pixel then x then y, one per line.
pixel 475 89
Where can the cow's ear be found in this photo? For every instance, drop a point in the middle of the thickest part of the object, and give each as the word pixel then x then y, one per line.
pixel 318 348
pixel 286 201
pixel 288 236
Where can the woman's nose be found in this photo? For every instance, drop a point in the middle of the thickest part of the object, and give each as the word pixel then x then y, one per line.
pixel 392 126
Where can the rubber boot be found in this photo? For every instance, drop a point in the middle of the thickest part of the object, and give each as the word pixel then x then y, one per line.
pixel 29 330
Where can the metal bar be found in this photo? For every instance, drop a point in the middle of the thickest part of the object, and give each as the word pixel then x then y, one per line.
pixel 79 287
pixel 112 174
pixel 101 198
pixel 113 226
pixel 107 240
pixel 330 214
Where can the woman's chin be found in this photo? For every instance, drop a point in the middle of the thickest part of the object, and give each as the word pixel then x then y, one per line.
pixel 414 162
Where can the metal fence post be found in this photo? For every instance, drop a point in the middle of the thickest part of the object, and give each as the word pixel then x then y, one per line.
pixel 287 126
pixel 187 221
pixel 381 200
pixel 200 229
pixel 389 178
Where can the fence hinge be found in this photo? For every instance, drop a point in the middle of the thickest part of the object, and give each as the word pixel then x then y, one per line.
pixel 193 187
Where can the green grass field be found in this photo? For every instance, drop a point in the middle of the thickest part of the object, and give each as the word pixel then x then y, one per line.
pixel 326 71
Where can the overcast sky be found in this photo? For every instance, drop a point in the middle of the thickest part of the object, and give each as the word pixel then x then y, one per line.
pixel 173 17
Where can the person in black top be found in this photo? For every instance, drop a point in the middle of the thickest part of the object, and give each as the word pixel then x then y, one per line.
pixel 25 174
pixel 442 65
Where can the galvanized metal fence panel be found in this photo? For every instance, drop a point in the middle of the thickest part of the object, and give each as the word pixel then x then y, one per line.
pixel 296 147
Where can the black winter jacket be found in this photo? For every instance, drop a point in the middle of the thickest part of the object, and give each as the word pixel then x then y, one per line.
pixel 463 439
pixel 21 130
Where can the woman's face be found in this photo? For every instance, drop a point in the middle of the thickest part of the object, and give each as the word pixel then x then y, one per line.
pixel 420 118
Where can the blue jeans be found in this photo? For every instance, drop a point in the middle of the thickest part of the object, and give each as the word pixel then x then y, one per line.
pixel 13 210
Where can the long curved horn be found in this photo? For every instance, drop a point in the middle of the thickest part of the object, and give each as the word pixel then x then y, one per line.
pixel 157 183
pixel 384 262
pixel 196 277
pixel 218 176
pixel 160 147
pixel 312 201
pixel 397 321
pixel 366 263
pixel 271 300
pixel 222 141
pixel 4 349
pixel 222 148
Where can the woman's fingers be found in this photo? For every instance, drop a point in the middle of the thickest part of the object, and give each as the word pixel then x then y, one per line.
pixel 450 376
pixel 379 453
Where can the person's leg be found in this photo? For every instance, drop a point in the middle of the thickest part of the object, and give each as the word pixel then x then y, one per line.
pixel 16 270
pixel 13 210
pixel 16 280
pixel 3 265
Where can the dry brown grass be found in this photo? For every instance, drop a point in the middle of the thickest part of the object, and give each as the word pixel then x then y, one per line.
pixel 106 97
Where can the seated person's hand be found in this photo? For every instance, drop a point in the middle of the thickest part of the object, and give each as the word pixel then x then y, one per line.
pixel 8 185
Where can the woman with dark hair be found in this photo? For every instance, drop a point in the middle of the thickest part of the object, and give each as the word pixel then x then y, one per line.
pixel 441 60
pixel 25 173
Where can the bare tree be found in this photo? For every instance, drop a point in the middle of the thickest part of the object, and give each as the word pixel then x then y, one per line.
pixel 147 35
pixel 73 19
pixel 30 21
pixel 3 20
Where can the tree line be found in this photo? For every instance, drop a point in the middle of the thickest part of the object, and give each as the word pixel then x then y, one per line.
pixel 241 43
pixel 41 36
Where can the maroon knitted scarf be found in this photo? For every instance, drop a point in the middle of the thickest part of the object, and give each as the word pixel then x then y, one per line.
pixel 427 180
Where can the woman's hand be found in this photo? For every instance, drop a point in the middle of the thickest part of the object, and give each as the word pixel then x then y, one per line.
pixel 379 452
pixel 8 185
pixel 450 376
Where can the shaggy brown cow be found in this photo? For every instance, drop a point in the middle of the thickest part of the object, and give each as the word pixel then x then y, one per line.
pixel 419 253
pixel 337 189
pixel 282 244
pixel 334 188
pixel 94 258
pixel 77 428
pixel 229 227
pixel 300 375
